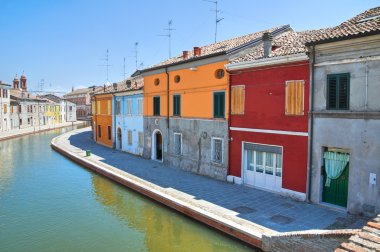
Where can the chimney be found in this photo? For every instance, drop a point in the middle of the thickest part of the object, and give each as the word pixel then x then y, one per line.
pixel 185 54
pixel 197 51
pixel 267 44
pixel 115 86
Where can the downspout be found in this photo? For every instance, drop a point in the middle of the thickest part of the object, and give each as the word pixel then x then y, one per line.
pixel 96 124
pixel 229 125
pixel 311 116
pixel 113 121
pixel 167 109
pixel 366 85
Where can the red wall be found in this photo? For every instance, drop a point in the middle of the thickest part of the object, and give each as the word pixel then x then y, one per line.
pixel 265 109
pixel 265 97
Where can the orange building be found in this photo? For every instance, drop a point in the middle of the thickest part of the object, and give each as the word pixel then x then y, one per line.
pixel 186 106
pixel 102 118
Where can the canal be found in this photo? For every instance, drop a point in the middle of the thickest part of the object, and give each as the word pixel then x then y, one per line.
pixel 48 203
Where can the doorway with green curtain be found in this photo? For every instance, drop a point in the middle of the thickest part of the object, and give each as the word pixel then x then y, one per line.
pixel 335 178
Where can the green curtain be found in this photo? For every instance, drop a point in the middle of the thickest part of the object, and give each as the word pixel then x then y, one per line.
pixel 334 165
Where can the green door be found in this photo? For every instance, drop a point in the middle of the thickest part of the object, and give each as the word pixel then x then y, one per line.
pixel 337 192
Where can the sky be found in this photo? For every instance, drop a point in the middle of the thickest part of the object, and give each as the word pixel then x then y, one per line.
pixel 64 42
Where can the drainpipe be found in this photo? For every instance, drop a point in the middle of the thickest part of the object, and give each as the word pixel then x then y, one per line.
pixel 94 116
pixel 311 116
pixel 366 85
pixel 113 120
pixel 167 108
pixel 229 124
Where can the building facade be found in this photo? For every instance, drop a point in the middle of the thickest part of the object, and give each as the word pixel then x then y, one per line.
pixel 345 149
pixel 269 116
pixel 5 111
pixel 82 99
pixel 102 118
pixel 128 121
pixel 186 106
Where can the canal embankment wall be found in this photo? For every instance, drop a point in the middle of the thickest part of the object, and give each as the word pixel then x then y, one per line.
pixel 210 214
pixel 33 130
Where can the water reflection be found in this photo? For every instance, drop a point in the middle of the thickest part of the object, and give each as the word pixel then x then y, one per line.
pixel 161 227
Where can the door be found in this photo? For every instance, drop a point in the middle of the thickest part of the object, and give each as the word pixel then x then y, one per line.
pixel 119 139
pixel 263 169
pixel 337 192
pixel 158 146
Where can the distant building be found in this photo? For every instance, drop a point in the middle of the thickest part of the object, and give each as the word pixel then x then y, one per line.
pixel 4 107
pixel 82 99
pixel 66 109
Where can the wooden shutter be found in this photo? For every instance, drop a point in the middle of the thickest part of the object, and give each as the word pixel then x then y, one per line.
pixel 219 104
pixel 331 92
pixel 237 100
pixel 156 106
pixel 338 91
pixel 343 91
pixel 294 98
pixel 176 105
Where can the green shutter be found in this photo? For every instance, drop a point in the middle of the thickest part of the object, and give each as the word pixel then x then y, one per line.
pixel 156 106
pixel 219 105
pixel 176 105
pixel 338 91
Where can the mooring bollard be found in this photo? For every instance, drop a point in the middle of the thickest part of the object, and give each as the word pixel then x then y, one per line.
pixel 88 153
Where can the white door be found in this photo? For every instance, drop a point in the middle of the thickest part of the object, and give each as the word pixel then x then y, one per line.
pixel 263 169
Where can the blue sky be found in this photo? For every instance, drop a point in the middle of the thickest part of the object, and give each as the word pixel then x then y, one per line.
pixel 64 42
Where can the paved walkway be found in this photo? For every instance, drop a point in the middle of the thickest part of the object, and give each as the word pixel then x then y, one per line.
pixel 267 209
pixel 31 130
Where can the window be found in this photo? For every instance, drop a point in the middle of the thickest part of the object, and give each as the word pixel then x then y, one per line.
pixel 156 106
pixel 219 73
pixel 177 143
pixel 177 79
pixel 156 82
pixel 141 139
pixel 237 100
pixel 98 107
pixel 5 109
pixel 93 107
pixel 99 131
pixel 140 106
pixel 176 105
pixel 294 97
pixel 217 150
pixel 338 91
pixel 129 107
pixel 109 107
pixel 109 132
pixel 118 108
pixel 5 93
pixel 129 137
pixel 70 108
pixel 219 104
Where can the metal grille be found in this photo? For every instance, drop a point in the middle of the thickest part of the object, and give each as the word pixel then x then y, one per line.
pixel 217 155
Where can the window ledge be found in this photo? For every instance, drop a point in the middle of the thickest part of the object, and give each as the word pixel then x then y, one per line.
pixel 346 114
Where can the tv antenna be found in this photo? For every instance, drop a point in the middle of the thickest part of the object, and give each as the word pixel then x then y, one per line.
pixel 169 35
pixel 217 19
pixel 124 68
pixel 107 65
pixel 136 53
pixel 42 84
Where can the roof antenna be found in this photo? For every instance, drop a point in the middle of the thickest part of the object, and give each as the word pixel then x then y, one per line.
pixel 107 65
pixel 124 68
pixel 136 52
pixel 217 19
pixel 169 35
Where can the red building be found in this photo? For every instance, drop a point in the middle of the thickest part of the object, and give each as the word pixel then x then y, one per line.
pixel 269 115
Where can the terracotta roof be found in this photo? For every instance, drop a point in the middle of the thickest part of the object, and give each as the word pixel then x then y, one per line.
pixel 51 97
pixel 219 47
pixel 287 43
pixel 136 82
pixel 363 24
pixel 82 91
pixel 19 94
pixel 368 239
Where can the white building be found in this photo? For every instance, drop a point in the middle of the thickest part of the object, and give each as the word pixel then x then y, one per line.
pixel 4 107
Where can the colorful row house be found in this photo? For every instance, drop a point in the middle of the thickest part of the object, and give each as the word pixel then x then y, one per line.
pixel 345 117
pixel 26 110
pixel 269 115
pixel 186 106
pixel 294 113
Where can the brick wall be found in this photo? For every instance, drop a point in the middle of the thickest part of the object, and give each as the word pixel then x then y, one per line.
pixel 310 241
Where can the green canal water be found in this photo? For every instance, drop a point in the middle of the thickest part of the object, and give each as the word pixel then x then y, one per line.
pixel 48 203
